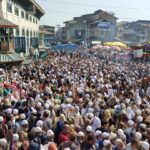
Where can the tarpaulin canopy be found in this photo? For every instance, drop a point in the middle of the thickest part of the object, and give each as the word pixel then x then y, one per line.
pixel 119 44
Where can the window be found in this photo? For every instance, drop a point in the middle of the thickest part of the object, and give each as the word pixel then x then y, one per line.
pixel 27 16
pixel 23 32
pixel 36 21
pixel 30 33
pixel 9 7
pixel 33 20
pixel 27 33
pixel 16 11
pixel 17 32
pixel 22 14
pixel 30 18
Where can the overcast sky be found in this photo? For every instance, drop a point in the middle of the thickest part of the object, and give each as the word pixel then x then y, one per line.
pixel 58 11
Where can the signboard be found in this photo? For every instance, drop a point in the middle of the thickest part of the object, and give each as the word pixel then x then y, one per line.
pixel 122 57
pixel 104 26
pixel 138 53
pixel 79 34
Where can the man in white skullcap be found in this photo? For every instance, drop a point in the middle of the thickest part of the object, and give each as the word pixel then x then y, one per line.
pixel 113 138
pixel 107 145
pixel 145 146
pixel 135 144
pixel 16 142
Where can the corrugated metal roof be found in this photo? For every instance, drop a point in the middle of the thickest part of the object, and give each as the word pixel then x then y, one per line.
pixel 7 24
pixel 10 58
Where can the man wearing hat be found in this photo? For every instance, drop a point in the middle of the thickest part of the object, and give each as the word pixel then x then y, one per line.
pixel 135 144
pixel 81 139
pixel 119 145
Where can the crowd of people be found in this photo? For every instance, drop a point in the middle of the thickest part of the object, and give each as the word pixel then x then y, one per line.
pixel 75 102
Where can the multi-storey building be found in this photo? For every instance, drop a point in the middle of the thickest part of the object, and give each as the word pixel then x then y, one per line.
pixel 134 32
pixel 49 34
pixel 26 14
pixel 99 25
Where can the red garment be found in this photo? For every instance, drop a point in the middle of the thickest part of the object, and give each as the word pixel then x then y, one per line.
pixel 63 137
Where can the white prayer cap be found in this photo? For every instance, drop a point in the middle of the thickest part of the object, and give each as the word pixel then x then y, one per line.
pixel 143 126
pixel 127 101
pixel 15 137
pixel 70 93
pixel 1 119
pixel 87 95
pixel 139 119
pixel 50 133
pixel 62 106
pixel 48 102
pixel 138 112
pixel 24 122
pixel 120 132
pixel 90 110
pixel 15 111
pixel 38 129
pixel 123 137
pixel 34 112
pixel 145 145
pixel 105 135
pixel 80 134
pixel 130 123
pixel 3 142
pixel 99 94
pixel 39 104
pixel 106 143
pixel 46 106
pixel 90 104
pixel 89 129
pixel 90 115
pixel 80 100
pixel 138 135
pixel 9 111
pixel 39 123
pixel 67 149
pixel 97 133
pixel 112 136
pixel 22 116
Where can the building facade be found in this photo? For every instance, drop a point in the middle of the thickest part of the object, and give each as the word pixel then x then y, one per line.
pixel 134 32
pixel 49 34
pixel 26 14
pixel 100 26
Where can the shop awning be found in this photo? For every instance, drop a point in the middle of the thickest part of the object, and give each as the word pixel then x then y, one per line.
pixel 6 24
pixel 10 58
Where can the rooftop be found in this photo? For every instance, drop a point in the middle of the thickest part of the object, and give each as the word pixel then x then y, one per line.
pixel 6 24
pixel 88 17
pixel 37 6
pixel 27 4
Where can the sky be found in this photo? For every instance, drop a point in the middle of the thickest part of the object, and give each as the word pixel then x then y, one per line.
pixel 58 11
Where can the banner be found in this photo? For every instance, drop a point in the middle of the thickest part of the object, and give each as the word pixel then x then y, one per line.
pixel 122 57
pixel 104 26
pixel 79 34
